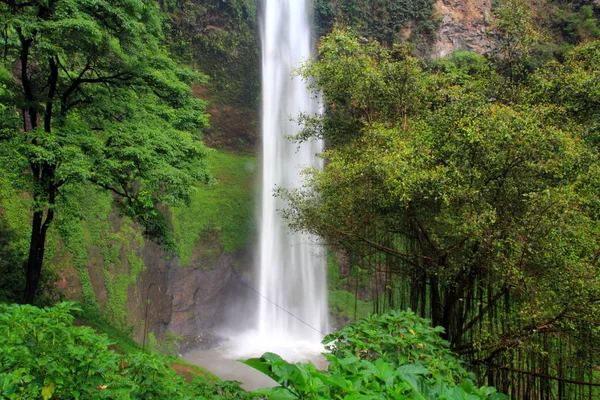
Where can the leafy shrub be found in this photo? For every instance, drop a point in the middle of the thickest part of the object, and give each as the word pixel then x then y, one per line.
pixel 42 355
pixel 398 337
pixel 393 356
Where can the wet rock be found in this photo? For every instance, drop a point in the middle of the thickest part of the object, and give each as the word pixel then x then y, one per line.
pixel 196 296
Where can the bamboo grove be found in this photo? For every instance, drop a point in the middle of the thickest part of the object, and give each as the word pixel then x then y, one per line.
pixel 466 189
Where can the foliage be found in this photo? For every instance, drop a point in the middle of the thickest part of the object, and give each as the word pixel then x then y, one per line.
pixel 220 38
pixel 101 102
pixel 44 356
pixel 92 242
pixel 90 314
pixel 382 20
pixel 361 82
pixel 383 357
pixel 399 337
pixel 515 36
pixel 577 24
pixel 13 242
pixel 225 209
pixel 468 189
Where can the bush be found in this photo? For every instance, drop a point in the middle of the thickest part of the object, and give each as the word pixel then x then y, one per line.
pixel 392 356
pixel 42 355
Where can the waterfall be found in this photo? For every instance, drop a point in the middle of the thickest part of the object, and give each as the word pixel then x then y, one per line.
pixel 292 276
pixel 291 293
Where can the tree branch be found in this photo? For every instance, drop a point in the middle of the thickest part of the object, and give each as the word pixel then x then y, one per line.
pixel 472 322
pixel 513 339
pixel 385 249
pixel 52 82
pixel 540 375
pixel 109 188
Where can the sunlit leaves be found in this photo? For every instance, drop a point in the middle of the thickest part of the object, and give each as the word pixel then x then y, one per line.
pixel 392 356
pixel 110 105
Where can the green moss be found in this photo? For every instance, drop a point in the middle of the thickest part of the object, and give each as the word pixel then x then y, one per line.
pixel 83 224
pixel 15 215
pixel 345 305
pixel 225 209
pixel 120 268
pixel 75 235
pixel 116 305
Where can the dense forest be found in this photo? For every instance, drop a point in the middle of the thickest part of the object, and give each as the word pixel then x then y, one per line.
pixel 459 199
pixel 465 188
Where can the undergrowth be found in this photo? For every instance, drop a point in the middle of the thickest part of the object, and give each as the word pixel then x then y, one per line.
pixel 392 356
pixel 43 355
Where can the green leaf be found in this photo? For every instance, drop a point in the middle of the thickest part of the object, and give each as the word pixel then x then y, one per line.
pixel 48 390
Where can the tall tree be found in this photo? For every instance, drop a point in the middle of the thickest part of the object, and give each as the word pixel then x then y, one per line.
pixel 482 213
pixel 101 102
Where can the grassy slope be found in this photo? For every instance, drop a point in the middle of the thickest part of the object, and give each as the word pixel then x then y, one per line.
pixel 226 208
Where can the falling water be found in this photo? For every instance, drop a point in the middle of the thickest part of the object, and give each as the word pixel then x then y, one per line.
pixel 291 265
pixel 292 309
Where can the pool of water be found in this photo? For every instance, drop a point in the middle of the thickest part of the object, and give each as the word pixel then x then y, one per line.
pixel 223 360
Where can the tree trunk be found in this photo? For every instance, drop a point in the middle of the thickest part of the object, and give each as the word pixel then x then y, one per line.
pixel 36 257
pixel 39 228
pixel 45 187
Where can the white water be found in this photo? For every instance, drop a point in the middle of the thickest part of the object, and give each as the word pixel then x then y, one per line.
pixel 292 266
pixel 292 306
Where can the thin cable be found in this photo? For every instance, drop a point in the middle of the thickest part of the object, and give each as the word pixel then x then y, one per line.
pixel 278 306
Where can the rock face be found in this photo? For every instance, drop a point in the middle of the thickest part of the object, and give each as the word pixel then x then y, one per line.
pixel 192 299
pixel 463 26
pixel 151 293
pixel 196 295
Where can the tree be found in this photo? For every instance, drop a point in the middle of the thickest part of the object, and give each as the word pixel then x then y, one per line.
pixel 480 214
pixel 515 37
pixel 99 102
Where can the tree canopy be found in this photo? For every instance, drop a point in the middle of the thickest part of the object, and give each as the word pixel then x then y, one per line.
pixel 469 195
pixel 90 95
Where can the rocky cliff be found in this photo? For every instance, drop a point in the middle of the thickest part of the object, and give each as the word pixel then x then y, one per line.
pixel 463 25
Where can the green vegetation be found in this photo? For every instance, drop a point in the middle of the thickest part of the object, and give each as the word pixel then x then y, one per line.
pixel 382 20
pixel 220 217
pixel 575 22
pixel 391 356
pixel 344 306
pixel 43 355
pixel 397 355
pixel 88 235
pixel 466 189
pixel 14 224
pixel 92 242
pixel 101 103
pixel 221 39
